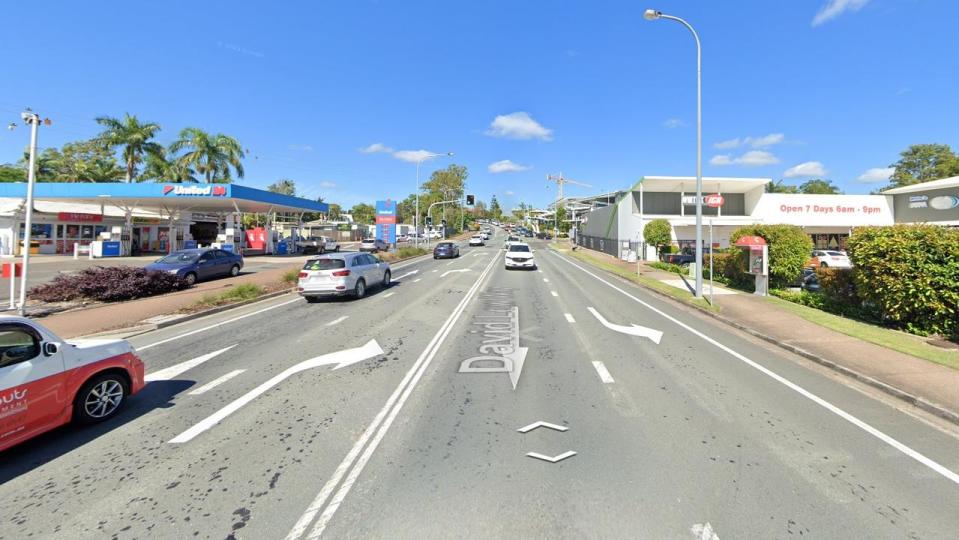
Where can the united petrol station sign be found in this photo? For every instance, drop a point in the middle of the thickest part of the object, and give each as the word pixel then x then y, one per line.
pixel 386 221
pixel 181 190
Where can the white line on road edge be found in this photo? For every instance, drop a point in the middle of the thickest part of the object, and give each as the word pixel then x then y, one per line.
pixel 216 382
pixel 389 294
pixel 379 426
pixel 554 293
pixel 342 358
pixel 569 317
pixel 217 325
pixel 703 532
pixel 338 320
pixel 173 371
pixel 555 459
pixel 635 330
pixel 935 466
pixel 603 372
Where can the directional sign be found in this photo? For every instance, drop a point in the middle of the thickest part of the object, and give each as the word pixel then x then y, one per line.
pixel 634 330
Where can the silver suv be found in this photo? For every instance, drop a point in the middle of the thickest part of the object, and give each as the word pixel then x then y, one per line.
pixel 373 245
pixel 340 274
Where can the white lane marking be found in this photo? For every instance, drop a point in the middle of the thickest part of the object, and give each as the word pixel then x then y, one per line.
pixel 377 428
pixel 554 293
pixel 389 294
pixel 569 317
pixel 545 280
pixel 935 466
pixel 217 325
pixel 337 320
pixel 534 425
pixel 554 459
pixel 444 274
pixel 434 271
pixel 173 371
pixel 407 275
pixel 634 329
pixel 603 372
pixel 480 254
pixel 703 532
pixel 216 382
pixel 416 280
pixel 449 263
pixel 342 358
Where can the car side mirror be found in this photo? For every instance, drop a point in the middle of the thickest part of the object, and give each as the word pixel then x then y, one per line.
pixel 50 348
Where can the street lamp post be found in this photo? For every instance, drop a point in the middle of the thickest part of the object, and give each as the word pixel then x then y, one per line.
pixel 33 119
pixel 416 217
pixel 652 15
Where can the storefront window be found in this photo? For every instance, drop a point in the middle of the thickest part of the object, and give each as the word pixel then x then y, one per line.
pixel 86 232
pixel 829 241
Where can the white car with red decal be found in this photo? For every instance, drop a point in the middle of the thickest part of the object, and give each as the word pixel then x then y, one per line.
pixel 46 382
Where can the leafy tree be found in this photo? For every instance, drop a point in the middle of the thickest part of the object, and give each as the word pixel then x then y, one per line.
pixel 922 163
pixel 363 213
pixel 658 232
pixel 160 169
pixel 285 187
pixel 520 211
pixel 780 187
pixel 494 209
pixel 80 161
pixel 789 248
pixel 133 137
pixel 334 212
pixel 818 187
pixel 479 210
pixel 214 156
pixel 561 216
pixel 12 173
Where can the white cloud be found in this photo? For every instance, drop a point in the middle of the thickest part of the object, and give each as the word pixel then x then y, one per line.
pixel 673 123
pixel 508 193
pixel 377 148
pixel 518 125
pixel 809 168
pixel 753 158
pixel 506 165
pixel 301 147
pixel 327 185
pixel 876 175
pixel 726 145
pixel 835 8
pixel 412 156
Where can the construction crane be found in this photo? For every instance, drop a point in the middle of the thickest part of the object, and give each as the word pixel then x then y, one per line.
pixel 560 182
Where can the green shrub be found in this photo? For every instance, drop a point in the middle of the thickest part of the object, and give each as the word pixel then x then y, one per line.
pixel 658 232
pixel 237 293
pixel 291 276
pixel 911 274
pixel 789 249
pixel 668 267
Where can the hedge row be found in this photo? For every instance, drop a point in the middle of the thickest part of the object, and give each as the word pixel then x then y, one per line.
pixel 107 284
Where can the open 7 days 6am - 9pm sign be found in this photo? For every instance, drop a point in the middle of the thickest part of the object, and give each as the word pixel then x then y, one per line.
pixel 386 221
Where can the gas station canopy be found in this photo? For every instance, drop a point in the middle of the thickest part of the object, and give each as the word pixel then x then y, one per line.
pixel 202 198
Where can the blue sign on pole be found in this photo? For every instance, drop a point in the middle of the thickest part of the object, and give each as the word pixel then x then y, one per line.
pixel 386 221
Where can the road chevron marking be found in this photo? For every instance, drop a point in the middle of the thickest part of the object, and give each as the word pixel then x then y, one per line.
pixel 534 425
pixel 339 358
pixel 555 459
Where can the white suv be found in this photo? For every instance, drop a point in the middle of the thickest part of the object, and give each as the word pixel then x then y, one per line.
pixel 519 255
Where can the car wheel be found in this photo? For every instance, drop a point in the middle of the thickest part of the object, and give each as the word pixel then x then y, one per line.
pixel 435 257
pixel 823 265
pixel 386 279
pixel 337 250
pixel 190 279
pixel 312 299
pixel 100 398
pixel 359 291
pixel 234 270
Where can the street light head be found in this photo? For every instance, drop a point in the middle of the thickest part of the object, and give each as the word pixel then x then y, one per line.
pixel 652 14
pixel 450 154
pixel 12 126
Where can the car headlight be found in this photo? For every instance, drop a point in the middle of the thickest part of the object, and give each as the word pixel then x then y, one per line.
pixel 174 271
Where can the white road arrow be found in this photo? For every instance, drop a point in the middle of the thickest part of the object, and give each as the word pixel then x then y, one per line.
pixel 535 425
pixel 703 532
pixel 635 329
pixel 406 275
pixel 338 359
pixel 453 271
pixel 172 371
pixel 555 459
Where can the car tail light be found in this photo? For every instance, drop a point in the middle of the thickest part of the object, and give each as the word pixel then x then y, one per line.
pixel 341 273
pixel 303 275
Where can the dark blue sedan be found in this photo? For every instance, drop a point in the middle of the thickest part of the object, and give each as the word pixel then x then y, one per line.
pixel 446 250
pixel 193 265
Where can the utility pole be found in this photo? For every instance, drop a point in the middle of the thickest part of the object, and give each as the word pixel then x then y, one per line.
pixel 33 119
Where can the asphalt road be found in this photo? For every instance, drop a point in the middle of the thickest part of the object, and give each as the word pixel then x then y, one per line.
pixel 697 432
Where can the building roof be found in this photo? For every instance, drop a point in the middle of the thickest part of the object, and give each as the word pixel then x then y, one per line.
pixel 711 184
pixel 943 183
pixel 165 198
pixel 10 206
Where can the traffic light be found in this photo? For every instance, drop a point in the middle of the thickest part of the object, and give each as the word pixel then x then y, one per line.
pixel 470 200
pixel 429 221
pixel 443 223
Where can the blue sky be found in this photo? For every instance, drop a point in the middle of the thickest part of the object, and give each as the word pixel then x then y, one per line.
pixel 833 87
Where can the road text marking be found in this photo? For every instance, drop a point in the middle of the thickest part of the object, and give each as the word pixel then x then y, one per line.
pixel 216 382
pixel 603 372
pixel 173 371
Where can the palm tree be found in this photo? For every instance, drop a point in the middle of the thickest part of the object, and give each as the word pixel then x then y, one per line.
pixel 160 169
pixel 133 136
pixel 213 156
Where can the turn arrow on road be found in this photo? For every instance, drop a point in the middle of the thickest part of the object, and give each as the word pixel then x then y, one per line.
pixel 634 330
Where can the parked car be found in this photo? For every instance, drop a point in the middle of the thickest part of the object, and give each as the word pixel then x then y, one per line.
pixel 808 281
pixel 340 274
pixel 829 259
pixel 434 234
pixel 194 265
pixel 544 235
pixel 446 250
pixel 317 244
pixel 46 382
pixel 686 256
pixel 373 245
pixel 519 255
pixel 477 240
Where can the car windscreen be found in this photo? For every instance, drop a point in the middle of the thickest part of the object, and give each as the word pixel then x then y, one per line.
pixel 836 254
pixel 324 264
pixel 177 258
pixel 444 245
pixel 515 248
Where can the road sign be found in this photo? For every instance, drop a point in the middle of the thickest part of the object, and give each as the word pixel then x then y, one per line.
pixel 386 221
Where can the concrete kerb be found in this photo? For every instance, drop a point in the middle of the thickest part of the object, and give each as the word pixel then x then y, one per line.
pixel 921 403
